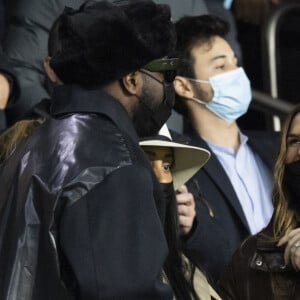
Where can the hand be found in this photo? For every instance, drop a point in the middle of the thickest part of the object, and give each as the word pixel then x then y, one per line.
pixel 186 209
pixel 292 250
pixel 4 91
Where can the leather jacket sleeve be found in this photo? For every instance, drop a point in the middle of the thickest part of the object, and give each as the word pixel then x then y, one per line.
pixel 117 227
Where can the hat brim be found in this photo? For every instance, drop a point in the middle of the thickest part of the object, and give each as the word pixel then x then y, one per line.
pixel 162 65
pixel 188 159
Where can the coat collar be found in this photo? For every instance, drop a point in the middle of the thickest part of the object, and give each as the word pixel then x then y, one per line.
pixel 72 99
pixel 267 256
pixel 266 145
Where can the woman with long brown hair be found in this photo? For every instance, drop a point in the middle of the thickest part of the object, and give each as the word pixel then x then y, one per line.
pixel 267 265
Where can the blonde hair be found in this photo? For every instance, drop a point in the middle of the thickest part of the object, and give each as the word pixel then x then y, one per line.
pixel 15 135
pixel 284 218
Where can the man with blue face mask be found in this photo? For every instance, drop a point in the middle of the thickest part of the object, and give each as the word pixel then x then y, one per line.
pixel 233 191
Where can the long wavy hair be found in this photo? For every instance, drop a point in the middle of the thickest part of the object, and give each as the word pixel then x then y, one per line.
pixel 13 136
pixel 284 218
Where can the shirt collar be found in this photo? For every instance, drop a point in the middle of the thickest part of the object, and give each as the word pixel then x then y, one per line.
pixel 70 99
pixel 243 140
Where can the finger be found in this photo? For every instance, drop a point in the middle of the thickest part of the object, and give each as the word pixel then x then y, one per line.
pixel 186 198
pixel 290 247
pixel 297 260
pixel 182 189
pixel 288 253
pixel 184 230
pixel 282 241
pixel 295 257
pixel 183 210
pixel 187 211
pixel 185 222
pixel 288 236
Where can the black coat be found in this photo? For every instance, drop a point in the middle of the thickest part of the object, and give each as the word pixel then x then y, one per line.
pixel 78 208
pixel 221 223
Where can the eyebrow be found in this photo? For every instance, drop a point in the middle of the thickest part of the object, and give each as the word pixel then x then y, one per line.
pixel 293 135
pixel 218 57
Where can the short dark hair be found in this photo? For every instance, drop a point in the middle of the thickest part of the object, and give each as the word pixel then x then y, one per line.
pixel 194 31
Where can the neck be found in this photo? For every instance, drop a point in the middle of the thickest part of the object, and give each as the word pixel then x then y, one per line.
pixel 214 129
pixel 115 90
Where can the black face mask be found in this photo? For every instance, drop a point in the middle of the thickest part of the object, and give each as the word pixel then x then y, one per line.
pixel 169 199
pixel 291 184
pixel 148 121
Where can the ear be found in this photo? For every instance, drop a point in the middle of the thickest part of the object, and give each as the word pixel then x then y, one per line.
pixel 133 83
pixel 183 87
pixel 49 71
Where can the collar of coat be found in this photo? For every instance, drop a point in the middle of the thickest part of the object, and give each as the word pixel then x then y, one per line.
pixel 73 99
pixel 267 256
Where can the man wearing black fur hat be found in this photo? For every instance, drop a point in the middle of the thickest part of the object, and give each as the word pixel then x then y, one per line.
pixel 80 205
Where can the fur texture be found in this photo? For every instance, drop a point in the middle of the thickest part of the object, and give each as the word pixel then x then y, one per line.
pixel 102 41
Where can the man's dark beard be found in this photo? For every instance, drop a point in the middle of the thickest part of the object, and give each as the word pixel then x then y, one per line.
pixel 150 117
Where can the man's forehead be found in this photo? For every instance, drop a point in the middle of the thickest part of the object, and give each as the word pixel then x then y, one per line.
pixel 214 47
pixel 208 53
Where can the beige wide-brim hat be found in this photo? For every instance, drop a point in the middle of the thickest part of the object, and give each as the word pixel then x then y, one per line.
pixel 187 159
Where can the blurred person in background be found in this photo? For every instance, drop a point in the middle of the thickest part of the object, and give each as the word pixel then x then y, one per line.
pixel 25 45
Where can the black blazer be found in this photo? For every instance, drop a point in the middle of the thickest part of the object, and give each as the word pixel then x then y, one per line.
pixel 221 224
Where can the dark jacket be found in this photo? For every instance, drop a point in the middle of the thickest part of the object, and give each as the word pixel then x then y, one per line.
pixel 222 225
pixel 78 216
pixel 258 272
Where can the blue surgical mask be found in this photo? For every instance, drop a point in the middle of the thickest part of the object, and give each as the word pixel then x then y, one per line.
pixel 232 94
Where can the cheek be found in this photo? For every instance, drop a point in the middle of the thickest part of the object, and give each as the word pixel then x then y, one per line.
pixel 207 92
pixel 156 92
pixel 152 94
pixel 291 155
pixel 203 92
pixel 162 175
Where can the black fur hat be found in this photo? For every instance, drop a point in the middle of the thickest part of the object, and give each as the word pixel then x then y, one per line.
pixel 103 41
